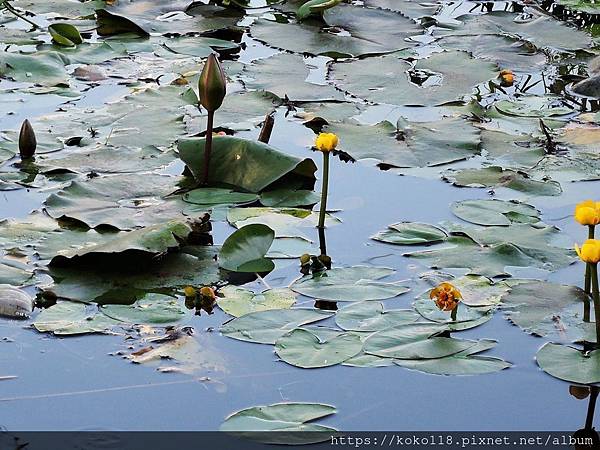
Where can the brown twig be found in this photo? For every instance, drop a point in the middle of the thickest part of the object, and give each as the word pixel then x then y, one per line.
pixel 267 128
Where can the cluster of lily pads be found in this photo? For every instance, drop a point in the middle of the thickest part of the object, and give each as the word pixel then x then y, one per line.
pixel 474 96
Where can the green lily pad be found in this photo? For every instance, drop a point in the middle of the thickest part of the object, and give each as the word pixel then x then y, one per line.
pixel 153 239
pixel 153 309
pixel 370 316
pixel 239 301
pixel 476 291
pixel 414 341
pixel 467 316
pixel 289 198
pixel 301 348
pixel 569 364
pixel 411 233
pixel 349 284
pixel 285 418
pixel 462 363
pixel 216 196
pixel 495 177
pixel 13 273
pixel 265 327
pixel 284 75
pixel 124 201
pixel 65 34
pixel 46 69
pixel 534 107
pixel 70 318
pixel 538 306
pixel 245 249
pixel 452 76
pixel 248 165
pixel 495 212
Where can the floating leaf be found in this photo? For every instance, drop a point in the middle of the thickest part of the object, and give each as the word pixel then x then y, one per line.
pixel 301 348
pixel 265 327
pixel 15 302
pixel 349 284
pixel 414 341
pixel 467 316
pixel 239 301
pixel 289 198
pixel 494 177
pixel 245 249
pixel 451 76
pixel 65 34
pixel 284 418
pixel 539 307
pixel 155 309
pixel 70 318
pixel 215 196
pixel 370 316
pixel 495 212
pixel 569 364
pixel 245 164
pixel 411 233
pixel 462 363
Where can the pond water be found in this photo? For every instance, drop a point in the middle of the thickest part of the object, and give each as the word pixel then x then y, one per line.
pixel 82 383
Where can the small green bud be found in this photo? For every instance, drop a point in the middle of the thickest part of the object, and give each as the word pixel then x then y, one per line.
pixel 212 84
pixel 27 140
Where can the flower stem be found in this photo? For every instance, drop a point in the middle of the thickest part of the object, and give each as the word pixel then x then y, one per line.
pixel 454 313
pixel 11 9
pixel 324 188
pixel 596 295
pixel 588 269
pixel 208 145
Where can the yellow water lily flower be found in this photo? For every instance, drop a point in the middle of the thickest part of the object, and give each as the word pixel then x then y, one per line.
pixel 326 142
pixel 507 78
pixel 589 251
pixel 446 296
pixel 189 291
pixel 208 292
pixel 588 213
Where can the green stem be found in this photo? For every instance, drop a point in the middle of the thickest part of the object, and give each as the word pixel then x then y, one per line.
pixel 596 295
pixel 12 10
pixel 589 421
pixel 324 188
pixel 588 269
pixel 208 145
pixel 454 313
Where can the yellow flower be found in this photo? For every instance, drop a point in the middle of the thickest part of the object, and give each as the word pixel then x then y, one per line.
pixel 208 292
pixel 189 291
pixel 588 213
pixel 506 78
pixel 589 251
pixel 326 142
pixel 446 296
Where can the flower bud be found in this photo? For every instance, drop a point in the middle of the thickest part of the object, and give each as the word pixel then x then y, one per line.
pixel 588 213
pixel 507 78
pixel 305 259
pixel 27 140
pixel 212 84
pixel 589 251
pixel 189 291
pixel 208 292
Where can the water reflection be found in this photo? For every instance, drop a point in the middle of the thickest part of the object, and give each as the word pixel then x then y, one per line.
pixel 586 437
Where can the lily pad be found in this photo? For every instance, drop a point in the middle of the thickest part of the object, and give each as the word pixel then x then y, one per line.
pixel 538 306
pixel 411 233
pixel 216 196
pixel 495 212
pixel 284 74
pixel 370 316
pixel 153 309
pixel 280 417
pixel 245 249
pixel 349 284
pixel 249 165
pixel 462 363
pixel 239 301
pixel 301 348
pixel 70 318
pixel 569 364
pixel 467 316
pixel 265 327
pixel 495 177
pixel 451 76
